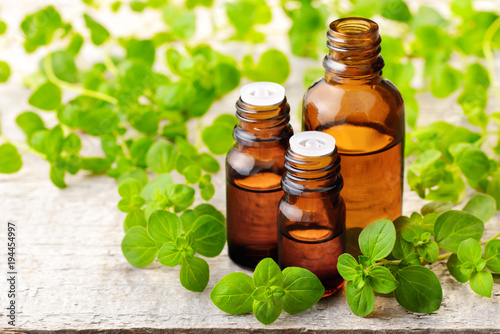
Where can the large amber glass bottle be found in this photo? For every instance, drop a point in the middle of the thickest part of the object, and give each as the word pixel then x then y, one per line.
pixel 311 218
pixel 254 168
pixel 365 114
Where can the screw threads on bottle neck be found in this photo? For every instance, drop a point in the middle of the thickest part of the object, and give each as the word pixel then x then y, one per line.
pixel 354 45
pixel 305 174
pixel 262 123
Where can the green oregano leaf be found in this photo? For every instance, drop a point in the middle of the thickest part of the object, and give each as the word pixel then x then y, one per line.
pixel 482 283
pixel 129 188
pixel 347 266
pixel 218 138
pixel 272 66
pixel 57 174
pixel 156 186
pixel 138 247
pixel 302 289
pixel 492 255
pixel 46 97
pixel 467 268
pixel 437 207
pixel 39 28
pixel 208 209
pixel 207 191
pixel 161 157
pixel 233 293
pixel 194 274
pixel 469 251
pixel 381 280
pixel 10 160
pixel 377 239
pixel 135 217
pixel 98 34
pixel 361 301
pixel 169 255
pixel 419 289
pixel 30 122
pixel 188 217
pixel 429 251
pixel 402 248
pixel 63 65
pixel 453 227
pixel 396 10
pixel 455 268
pixel 192 174
pixel 493 189
pixel 482 206
pixel 139 151
pixel 267 273
pixel 4 70
pixel 164 226
pixel 209 235
pixel 267 311
pixel 207 163
pixel 181 196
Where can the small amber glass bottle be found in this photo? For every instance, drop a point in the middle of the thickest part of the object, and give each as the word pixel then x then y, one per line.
pixel 311 217
pixel 365 114
pixel 254 168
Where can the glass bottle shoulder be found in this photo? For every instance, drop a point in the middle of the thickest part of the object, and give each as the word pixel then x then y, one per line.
pixel 373 110
pixel 376 99
pixel 255 168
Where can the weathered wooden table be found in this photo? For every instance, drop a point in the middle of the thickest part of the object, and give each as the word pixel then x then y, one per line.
pixel 72 276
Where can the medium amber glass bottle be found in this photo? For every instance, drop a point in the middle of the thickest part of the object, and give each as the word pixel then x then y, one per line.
pixel 254 168
pixel 311 218
pixel 365 114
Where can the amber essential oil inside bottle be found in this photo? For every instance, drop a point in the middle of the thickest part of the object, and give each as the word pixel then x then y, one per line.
pixel 365 114
pixel 311 218
pixel 254 168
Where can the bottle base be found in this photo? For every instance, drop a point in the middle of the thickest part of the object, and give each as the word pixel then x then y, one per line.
pixel 332 286
pixel 249 258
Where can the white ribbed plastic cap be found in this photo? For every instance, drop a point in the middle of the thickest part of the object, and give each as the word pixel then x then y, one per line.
pixel 262 93
pixel 312 143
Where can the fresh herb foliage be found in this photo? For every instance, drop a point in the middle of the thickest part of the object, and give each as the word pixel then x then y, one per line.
pixel 269 292
pixel 393 255
pixel 170 240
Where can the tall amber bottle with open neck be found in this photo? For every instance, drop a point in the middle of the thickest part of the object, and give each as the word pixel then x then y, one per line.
pixel 365 114
pixel 254 168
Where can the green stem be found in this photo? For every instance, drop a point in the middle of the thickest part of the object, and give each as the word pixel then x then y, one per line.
pixel 383 262
pixel 109 64
pixel 198 140
pixel 444 256
pixel 21 146
pixel 440 257
pixel 47 62
pixel 122 145
pixel 488 54
pixel 494 237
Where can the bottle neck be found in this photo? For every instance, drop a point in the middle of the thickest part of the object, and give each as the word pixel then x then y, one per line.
pixel 258 124
pixel 312 176
pixel 354 51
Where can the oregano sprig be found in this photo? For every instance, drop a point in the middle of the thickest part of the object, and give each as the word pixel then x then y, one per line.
pixel 269 292
pixel 393 256
pixel 176 240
